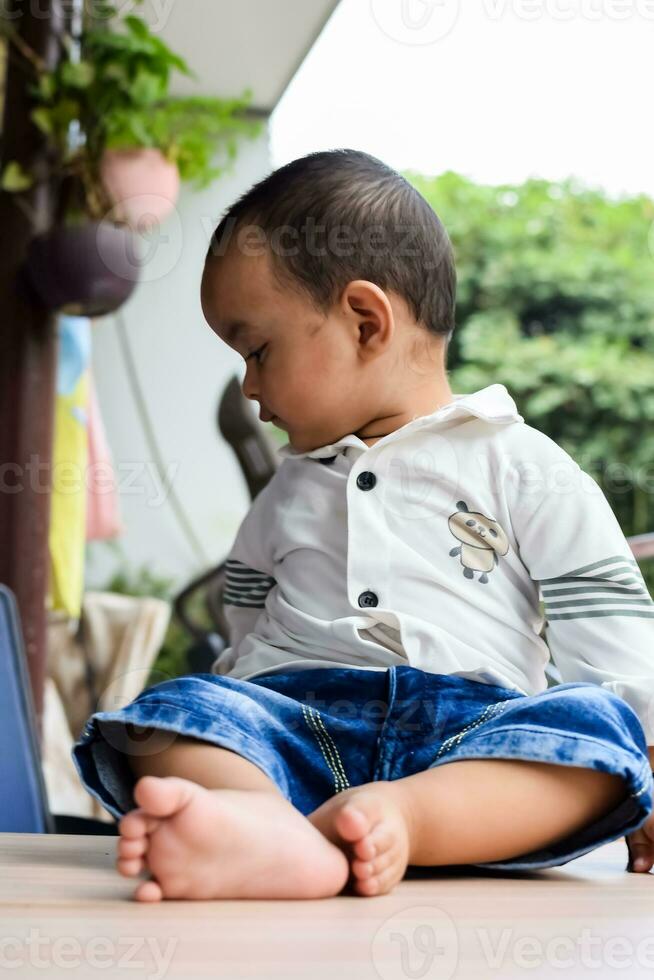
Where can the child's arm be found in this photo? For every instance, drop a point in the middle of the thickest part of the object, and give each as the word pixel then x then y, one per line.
pixel 599 613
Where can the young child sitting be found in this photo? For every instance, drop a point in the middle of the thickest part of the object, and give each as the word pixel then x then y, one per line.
pixel 383 703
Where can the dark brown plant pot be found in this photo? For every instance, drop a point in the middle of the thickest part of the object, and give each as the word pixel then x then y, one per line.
pixel 84 270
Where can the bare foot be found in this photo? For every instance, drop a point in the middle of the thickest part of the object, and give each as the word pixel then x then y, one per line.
pixel 224 843
pixel 371 824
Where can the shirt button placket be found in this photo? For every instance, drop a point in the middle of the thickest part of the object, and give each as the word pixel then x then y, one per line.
pixel 366 481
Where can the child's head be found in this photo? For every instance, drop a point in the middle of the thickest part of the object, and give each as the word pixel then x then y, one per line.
pixel 345 278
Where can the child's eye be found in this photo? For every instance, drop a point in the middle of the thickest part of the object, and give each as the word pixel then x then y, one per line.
pixel 255 353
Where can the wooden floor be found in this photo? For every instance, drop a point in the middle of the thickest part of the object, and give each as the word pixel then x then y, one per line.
pixel 66 912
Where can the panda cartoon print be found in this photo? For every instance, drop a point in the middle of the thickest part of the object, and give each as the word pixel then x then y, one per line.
pixel 482 540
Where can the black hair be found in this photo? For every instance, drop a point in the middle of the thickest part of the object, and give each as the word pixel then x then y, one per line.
pixel 348 192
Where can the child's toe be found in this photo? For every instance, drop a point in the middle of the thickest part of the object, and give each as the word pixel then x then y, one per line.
pixel 387 879
pixel 365 848
pixel 132 847
pixel 378 883
pixel 137 823
pixel 367 886
pixel 372 869
pixel 129 867
pixel 162 796
pixel 389 859
pixel 148 891
pixel 351 822
pixel 362 869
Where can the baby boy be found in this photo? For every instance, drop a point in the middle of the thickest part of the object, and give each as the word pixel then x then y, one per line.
pixel 396 558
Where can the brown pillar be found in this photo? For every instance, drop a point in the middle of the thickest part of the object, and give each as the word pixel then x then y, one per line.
pixel 28 352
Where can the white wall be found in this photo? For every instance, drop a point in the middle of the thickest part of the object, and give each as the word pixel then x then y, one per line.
pixel 160 372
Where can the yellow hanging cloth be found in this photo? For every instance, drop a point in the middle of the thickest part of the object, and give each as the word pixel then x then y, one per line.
pixel 67 536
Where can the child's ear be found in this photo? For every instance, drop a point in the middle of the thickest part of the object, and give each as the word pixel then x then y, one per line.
pixel 368 309
pixel 366 299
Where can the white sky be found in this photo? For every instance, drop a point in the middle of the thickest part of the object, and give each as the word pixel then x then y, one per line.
pixel 499 90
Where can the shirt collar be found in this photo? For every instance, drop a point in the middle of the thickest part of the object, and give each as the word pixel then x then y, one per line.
pixel 493 404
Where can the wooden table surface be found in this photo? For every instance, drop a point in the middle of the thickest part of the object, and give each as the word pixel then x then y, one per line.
pixel 66 912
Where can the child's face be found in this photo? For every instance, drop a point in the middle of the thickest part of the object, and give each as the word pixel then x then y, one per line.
pixel 316 377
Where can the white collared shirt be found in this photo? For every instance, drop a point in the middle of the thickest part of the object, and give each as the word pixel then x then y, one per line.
pixel 451 545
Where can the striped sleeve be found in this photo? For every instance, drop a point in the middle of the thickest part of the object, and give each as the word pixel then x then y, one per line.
pixel 248 575
pixel 245 586
pixel 599 615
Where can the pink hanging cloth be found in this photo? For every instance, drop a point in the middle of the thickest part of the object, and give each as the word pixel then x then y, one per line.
pixel 102 508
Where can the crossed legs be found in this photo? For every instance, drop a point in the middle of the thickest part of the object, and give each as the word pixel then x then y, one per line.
pixel 212 824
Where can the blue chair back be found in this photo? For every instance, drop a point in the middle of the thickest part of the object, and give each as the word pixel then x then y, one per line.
pixel 23 796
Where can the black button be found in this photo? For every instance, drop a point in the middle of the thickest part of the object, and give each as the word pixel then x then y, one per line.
pixel 326 459
pixel 366 480
pixel 368 598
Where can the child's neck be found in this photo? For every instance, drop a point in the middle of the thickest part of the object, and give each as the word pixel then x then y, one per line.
pixel 425 402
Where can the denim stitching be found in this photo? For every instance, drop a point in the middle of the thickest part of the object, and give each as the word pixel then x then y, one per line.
pixel 323 744
pixel 339 762
pixel 488 710
pixel 328 755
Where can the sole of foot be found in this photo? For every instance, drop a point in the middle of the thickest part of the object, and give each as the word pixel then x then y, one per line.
pixel 203 843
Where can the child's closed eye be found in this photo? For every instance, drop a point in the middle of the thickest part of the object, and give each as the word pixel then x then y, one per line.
pixel 255 353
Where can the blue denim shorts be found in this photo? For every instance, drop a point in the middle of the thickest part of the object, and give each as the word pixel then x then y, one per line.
pixel 319 731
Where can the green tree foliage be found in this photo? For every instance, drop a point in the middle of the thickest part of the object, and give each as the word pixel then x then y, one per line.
pixel 555 300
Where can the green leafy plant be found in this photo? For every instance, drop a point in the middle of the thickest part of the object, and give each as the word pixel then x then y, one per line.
pixel 110 91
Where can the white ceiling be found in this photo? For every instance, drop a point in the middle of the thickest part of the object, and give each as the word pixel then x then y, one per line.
pixel 235 44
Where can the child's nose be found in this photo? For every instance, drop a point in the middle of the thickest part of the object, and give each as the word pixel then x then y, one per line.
pixel 248 386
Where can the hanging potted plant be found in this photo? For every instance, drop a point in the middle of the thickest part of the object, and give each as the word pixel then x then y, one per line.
pixel 118 146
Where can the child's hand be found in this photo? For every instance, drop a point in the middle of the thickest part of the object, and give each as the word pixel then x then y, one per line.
pixel 640 844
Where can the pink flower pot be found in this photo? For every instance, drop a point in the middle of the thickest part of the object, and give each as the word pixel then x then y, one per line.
pixel 143 185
